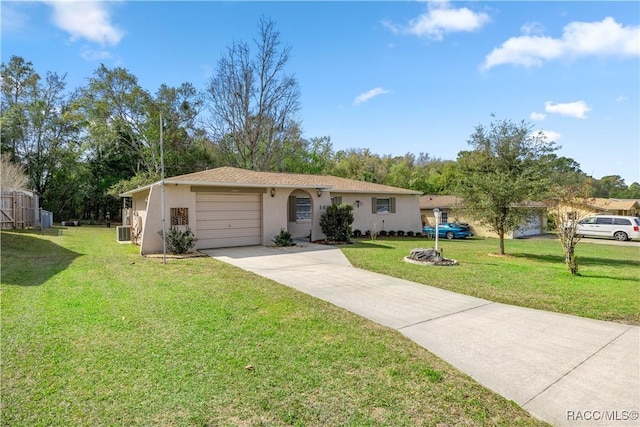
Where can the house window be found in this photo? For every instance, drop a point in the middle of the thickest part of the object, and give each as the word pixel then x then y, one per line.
pixel 303 208
pixel 444 217
pixel 383 206
pixel 336 200
pixel 179 216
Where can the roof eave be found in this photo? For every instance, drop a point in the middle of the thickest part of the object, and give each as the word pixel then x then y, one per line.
pixel 244 184
pixel 138 190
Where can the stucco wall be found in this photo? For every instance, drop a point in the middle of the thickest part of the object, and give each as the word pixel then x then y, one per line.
pixel 406 217
pixel 274 214
pixel 176 196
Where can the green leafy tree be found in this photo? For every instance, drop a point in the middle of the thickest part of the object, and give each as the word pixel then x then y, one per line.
pixel 311 156
pixel 506 168
pixel 18 88
pixel 360 164
pixel 39 125
pixel 336 221
pixel 118 111
pixel 610 186
pixel 633 191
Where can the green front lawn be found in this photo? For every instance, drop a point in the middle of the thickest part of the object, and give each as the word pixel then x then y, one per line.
pixel 532 274
pixel 93 334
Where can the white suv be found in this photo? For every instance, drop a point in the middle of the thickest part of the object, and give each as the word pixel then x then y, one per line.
pixel 610 226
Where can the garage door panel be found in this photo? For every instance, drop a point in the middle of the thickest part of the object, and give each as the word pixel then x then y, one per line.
pixel 226 225
pixel 226 198
pixel 531 227
pixel 226 243
pixel 228 215
pixel 228 206
pixel 228 234
pixel 227 220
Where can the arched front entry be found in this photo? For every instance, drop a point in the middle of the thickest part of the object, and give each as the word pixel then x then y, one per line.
pixel 300 214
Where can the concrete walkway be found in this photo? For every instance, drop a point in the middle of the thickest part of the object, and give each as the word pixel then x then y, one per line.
pixel 566 370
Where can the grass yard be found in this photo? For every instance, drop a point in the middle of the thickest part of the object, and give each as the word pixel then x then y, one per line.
pixel 93 334
pixel 533 273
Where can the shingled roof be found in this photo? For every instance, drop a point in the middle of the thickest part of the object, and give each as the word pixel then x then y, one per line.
pixel 235 177
pixel 612 204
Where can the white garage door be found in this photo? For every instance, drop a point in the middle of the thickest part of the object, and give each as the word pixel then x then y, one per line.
pixel 532 227
pixel 226 220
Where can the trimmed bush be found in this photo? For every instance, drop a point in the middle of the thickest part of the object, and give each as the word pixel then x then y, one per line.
pixel 410 233
pixel 357 234
pixel 335 222
pixel 392 233
pixel 382 233
pixel 283 239
pixel 178 241
pixel 400 233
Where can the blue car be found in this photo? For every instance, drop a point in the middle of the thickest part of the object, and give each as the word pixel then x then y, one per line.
pixel 449 230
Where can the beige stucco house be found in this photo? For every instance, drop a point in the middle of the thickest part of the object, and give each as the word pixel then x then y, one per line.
pixel 452 210
pixel 627 207
pixel 228 207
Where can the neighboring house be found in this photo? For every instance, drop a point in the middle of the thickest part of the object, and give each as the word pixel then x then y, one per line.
pixel 627 207
pixel 228 207
pixel 452 210
pixel 582 208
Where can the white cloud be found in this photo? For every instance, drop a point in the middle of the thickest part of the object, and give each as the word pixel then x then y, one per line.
pixel 574 109
pixel 12 19
pixel 538 116
pixel 621 98
pixel 604 38
pixel 551 136
pixel 366 96
pixel 440 19
pixel 532 28
pixel 88 20
pixel 95 55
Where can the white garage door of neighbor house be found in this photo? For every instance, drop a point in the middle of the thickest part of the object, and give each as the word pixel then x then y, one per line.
pixel 530 228
pixel 227 220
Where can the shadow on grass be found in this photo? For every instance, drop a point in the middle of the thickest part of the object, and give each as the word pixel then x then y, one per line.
pixel 370 244
pixel 30 261
pixel 582 260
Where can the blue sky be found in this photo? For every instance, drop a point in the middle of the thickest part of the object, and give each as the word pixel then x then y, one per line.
pixel 394 77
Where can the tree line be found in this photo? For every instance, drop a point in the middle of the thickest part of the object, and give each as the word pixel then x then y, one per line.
pixel 79 148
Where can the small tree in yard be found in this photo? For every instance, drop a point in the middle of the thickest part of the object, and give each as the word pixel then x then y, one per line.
pixel 336 221
pixel 565 207
pixel 507 166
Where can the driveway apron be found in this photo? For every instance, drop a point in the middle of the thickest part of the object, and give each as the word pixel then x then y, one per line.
pixel 566 370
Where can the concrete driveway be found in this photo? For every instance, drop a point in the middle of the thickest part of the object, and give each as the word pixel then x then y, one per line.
pixel 566 370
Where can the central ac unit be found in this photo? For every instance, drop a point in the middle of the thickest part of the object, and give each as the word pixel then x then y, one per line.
pixel 124 233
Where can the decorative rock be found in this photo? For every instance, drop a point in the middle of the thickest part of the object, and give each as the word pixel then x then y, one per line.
pixel 428 257
pixel 425 255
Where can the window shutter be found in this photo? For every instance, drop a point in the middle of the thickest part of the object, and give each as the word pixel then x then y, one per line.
pixel 292 208
pixel 338 200
pixel 374 205
pixel 392 204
